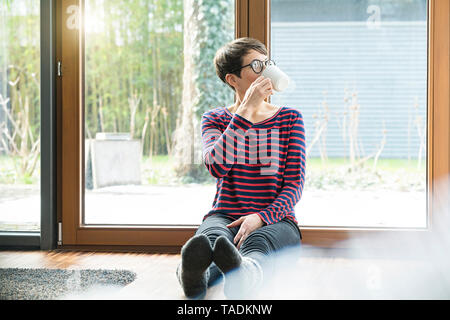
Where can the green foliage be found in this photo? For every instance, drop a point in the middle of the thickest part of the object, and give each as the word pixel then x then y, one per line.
pixel 27 179
pixel 22 61
pixel 216 28
pixel 139 50
pixel 20 88
pixel 9 174
pixel 132 48
pixel 136 48
pixel 159 171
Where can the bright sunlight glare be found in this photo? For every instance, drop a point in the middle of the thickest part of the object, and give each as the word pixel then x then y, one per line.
pixel 94 18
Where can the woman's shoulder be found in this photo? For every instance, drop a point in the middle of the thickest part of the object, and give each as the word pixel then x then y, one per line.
pixel 216 111
pixel 294 112
pixel 217 116
pixel 222 113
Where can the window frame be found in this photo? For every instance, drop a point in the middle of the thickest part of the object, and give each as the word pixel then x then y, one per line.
pixel 253 20
pixel 46 237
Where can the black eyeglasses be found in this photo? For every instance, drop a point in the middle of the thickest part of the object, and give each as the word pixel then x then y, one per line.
pixel 257 65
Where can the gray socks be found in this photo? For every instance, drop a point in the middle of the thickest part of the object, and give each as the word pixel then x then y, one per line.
pixel 192 272
pixel 225 255
pixel 243 275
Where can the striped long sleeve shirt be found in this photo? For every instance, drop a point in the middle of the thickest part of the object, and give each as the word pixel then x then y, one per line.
pixel 260 167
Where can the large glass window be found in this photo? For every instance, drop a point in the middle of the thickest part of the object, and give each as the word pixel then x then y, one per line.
pixel 359 77
pixel 148 79
pixel 19 115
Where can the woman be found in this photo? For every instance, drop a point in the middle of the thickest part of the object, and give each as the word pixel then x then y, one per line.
pixel 253 210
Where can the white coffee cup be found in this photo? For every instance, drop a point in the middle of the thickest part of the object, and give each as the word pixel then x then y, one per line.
pixel 280 80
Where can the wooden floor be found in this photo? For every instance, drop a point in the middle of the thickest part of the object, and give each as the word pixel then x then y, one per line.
pixel 155 272
pixel 323 276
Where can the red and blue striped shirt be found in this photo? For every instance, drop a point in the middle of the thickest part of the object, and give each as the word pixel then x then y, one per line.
pixel 260 167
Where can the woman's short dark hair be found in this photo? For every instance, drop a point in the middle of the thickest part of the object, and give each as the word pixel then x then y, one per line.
pixel 230 56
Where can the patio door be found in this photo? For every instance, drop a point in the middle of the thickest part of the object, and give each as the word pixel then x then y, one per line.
pixel 129 166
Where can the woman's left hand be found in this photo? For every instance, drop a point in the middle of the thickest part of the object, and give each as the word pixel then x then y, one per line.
pixel 248 224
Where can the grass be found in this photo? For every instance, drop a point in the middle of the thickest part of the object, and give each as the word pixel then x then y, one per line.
pixel 158 170
pixel 390 174
pixel 9 174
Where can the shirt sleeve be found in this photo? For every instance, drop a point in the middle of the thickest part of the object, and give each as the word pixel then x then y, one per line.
pixel 294 176
pixel 219 151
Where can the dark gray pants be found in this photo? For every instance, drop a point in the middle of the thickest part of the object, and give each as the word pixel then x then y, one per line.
pixel 259 245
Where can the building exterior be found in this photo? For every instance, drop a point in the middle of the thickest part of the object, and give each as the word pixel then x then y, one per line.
pixel 376 56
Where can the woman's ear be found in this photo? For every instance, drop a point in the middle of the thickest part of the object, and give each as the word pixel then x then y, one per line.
pixel 231 80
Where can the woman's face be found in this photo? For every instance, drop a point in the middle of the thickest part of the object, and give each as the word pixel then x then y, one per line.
pixel 247 74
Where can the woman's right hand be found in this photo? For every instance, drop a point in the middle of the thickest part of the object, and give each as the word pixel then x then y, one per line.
pixel 259 90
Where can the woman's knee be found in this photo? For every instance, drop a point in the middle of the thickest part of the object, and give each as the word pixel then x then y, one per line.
pixel 214 227
pixel 214 232
pixel 271 238
pixel 257 241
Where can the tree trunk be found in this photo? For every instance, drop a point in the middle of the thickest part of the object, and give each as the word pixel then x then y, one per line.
pixel 134 100
pixel 144 129
pixel 155 94
pixel 100 114
pixel 206 28
pixel 184 134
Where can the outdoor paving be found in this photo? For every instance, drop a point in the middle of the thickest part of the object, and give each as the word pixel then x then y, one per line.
pixel 187 204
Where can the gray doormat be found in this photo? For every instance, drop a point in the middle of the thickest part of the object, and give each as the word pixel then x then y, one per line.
pixel 49 284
